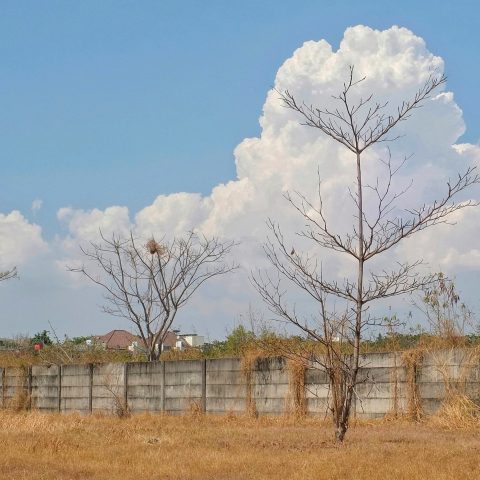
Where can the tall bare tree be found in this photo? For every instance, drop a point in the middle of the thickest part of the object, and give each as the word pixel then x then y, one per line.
pixel 342 305
pixel 148 284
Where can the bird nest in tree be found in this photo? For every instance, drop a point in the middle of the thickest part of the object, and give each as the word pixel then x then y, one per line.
pixel 155 248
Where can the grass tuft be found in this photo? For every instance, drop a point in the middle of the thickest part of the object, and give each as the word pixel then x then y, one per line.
pixel 458 411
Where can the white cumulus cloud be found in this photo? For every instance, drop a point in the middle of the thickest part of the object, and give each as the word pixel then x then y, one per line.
pixel 286 156
pixel 20 240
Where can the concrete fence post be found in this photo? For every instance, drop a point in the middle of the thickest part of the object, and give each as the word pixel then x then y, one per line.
pixel 3 387
pixel 125 384
pixel 90 388
pixel 59 387
pixel 29 387
pixel 162 399
pixel 204 385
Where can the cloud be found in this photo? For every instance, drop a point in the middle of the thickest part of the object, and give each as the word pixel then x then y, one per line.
pixel 87 225
pixel 20 241
pixel 36 205
pixel 287 155
pixel 172 215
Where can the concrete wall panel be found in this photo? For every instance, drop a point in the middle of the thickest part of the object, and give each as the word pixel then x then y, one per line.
pixel 45 387
pixel 145 386
pixel 76 380
pixel 15 385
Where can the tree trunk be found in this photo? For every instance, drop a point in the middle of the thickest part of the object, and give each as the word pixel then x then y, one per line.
pixel 340 433
pixel 342 424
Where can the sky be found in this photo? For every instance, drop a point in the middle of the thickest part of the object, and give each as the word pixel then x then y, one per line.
pixel 136 116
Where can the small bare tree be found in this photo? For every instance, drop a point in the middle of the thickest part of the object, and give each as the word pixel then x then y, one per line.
pixel 447 315
pixel 342 305
pixel 148 284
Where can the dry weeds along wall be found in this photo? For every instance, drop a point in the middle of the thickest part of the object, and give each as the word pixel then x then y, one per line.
pixel 397 383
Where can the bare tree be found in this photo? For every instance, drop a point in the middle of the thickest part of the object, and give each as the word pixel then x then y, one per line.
pixel 342 305
pixel 148 284
pixel 447 315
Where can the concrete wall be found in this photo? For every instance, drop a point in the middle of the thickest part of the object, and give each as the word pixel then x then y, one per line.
pixel 221 386
pixel 108 387
pixel 183 385
pixel 76 388
pixel 383 386
pixel 270 385
pixel 444 370
pixel 15 384
pixel 226 386
pixel 46 387
pixel 145 386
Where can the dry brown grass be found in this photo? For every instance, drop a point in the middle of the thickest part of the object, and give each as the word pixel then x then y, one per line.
pixel 20 401
pixel 64 355
pixel 296 402
pixel 52 446
pixel 458 411
pixel 412 359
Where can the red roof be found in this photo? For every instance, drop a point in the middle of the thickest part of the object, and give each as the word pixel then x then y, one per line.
pixel 118 339
pixel 122 339
pixel 170 339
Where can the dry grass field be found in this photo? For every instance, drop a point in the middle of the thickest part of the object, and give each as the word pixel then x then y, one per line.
pixel 52 446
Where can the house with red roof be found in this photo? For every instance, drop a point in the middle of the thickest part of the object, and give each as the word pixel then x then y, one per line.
pixel 124 340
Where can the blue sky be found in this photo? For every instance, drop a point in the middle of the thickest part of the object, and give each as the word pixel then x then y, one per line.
pixel 106 103
pixel 113 103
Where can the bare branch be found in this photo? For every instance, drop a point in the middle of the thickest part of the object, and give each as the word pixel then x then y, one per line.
pixel 8 274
